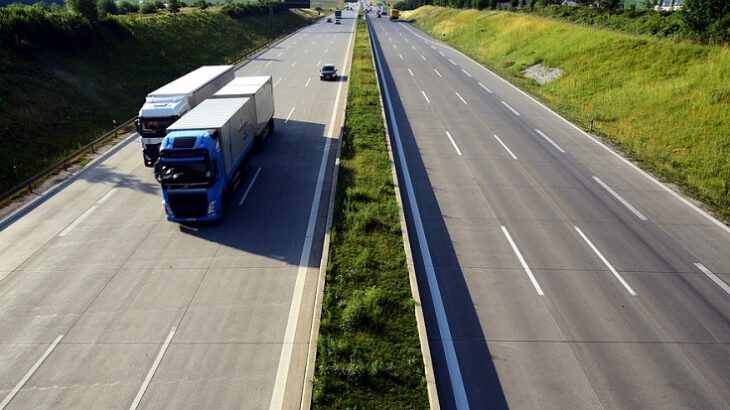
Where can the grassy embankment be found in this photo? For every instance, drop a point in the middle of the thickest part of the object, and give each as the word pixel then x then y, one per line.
pixel 666 104
pixel 368 353
pixel 58 92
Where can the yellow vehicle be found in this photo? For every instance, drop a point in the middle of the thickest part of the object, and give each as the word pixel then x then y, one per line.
pixel 394 14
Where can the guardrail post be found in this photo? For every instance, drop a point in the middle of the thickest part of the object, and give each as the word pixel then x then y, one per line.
pixel 30 188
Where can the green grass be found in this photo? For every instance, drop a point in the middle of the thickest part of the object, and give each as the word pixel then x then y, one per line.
pixel 58 93
pixel 666 104
pixel 368 354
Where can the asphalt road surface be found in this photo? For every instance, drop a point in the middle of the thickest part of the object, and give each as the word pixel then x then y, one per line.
pixel 106 304
pixel 555 274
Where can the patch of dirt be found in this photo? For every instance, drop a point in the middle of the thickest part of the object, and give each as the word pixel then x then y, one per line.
pixel 542 74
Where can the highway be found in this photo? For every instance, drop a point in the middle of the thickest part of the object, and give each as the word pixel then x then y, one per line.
pixel 554 273
pixel 106 304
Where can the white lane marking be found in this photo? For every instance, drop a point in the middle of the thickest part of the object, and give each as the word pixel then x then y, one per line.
pixel 485 88
pixel 724 286
pixel 319 62
pixel 331 41
pixel 277 82
pixel 426 97
pixel 152 371
pixel 279 55
pixel 29 373
pixel 466 72
pixel 307 84
pixel 411 72
pixel 437 72
pixel 401 56
pixel 250 184
pixel 431 45
pixel 452 62
pixel 295 63
pixel 326 50
pixel 282 372
pixel 413 47
pixel 458 151
pixel 107 196
pixel 269 63
pixel 505 147
pixel 423 58
pixel 442 321
pixel 605 262
pixel 256 72
pixel 510 108
pixel 390 39
pixel 620 199
pixel 289 116
pixel 522 261
pixel 460 97
pixel 548 139
pixel 88 212
pixel 442 54
pixel 306 51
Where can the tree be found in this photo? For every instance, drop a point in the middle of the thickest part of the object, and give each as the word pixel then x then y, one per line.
pixel 108 7
pixel 148 7
pixel 86 8
pixel 699 15
pixel 126 7
pixel 173 6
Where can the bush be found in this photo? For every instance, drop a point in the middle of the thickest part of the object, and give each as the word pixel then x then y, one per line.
pixel 148 7
pixel 86 8
pixel 126 7
pixel 173 6
pixel 702 15
pixel 201 4
pixel 108 7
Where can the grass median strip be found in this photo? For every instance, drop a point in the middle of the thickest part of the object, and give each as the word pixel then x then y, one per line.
pixel 368 353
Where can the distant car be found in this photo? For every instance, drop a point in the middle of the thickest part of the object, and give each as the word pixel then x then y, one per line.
pixel 329 19
pixel 328 72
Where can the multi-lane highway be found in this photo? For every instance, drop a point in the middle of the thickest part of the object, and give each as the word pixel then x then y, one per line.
pixel 554 273
pixel 106 304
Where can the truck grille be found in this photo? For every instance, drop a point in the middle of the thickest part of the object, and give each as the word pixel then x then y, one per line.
pixel 189 205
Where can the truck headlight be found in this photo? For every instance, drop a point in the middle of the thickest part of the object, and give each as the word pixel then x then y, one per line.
pixel 211 207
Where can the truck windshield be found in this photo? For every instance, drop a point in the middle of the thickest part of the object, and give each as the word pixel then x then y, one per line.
pixel 185 173
pixel 155 125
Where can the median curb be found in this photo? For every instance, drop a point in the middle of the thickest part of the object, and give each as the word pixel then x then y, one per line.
pixel 433 398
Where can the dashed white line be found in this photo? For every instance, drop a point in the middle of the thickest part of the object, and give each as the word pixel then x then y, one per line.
pixel 423 58
pixel 279 55
pixel 413 47
pixel 411 72
pixel 505 147
pixel 719 282
pixel 256 72
pixel 289 116
pixel 29 373
pixel 107 196
pixel 510 108
pixel 326 50
pixel 394 46
pixel 485 88
pixel 306 51
pixel 605 262
pixel 86 214
pixel 620 199
pixel 458 151
pixel 452 62
pixel 426 97
pixel 522 261
pixel 319 62
pixel 442 54
pixel 401 56
pixel 295 63
pixel 307 84
pixel 460 97
pixel 277 82
pixel 437 72
pixel 269 63
pixel 250 184
pixel 557 147
pixel 466 72
pixel 152 371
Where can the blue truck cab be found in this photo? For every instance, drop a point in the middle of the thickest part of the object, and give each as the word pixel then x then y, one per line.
pixel 202 157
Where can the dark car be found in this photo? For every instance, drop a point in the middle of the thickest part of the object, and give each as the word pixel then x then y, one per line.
pixel 328 72
pixel 329 19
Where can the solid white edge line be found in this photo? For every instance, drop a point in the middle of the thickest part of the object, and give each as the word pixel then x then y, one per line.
pixel 485 88
pixel 724 286
pixel 250 185
pixel 505 147
pixel 78 220
pixel 606 262
pixel 30 373
pixel 426 97
pixel 466 72
pixel 460 97
pixel 522 261
pixel 458 151
pixel 289 116
pixel 152 371
pixel 620 199
pixel 452 363
pixel 307 84
pixel 437 72
pixel 650 177
pixel 510 108
pixel 548 139
pixel 411 72
pixel 282 372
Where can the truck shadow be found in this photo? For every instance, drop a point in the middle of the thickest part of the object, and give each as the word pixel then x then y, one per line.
pixel 270 210
pixel 480 378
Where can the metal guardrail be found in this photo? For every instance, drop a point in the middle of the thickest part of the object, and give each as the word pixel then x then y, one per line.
pixel 28 184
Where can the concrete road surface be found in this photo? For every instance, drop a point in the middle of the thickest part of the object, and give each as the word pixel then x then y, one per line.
pixel 104 304
pixel 556 275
